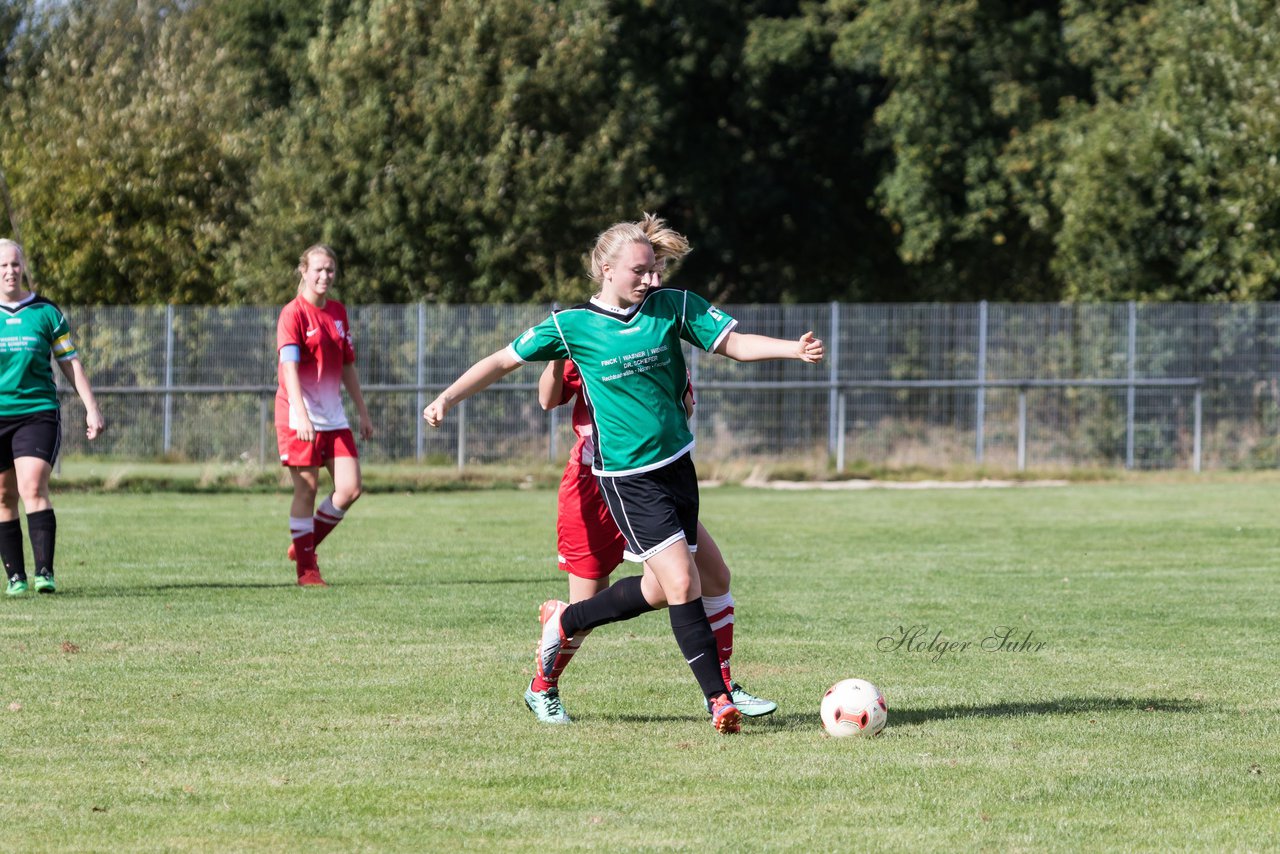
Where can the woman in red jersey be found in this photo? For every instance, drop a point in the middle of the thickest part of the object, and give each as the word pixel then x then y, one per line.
pixel 316 361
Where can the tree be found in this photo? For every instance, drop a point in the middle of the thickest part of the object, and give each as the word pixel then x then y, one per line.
pixel 452 151
pixel 1170 187
pixel 761 156
pixel 966 79
pixel 132 151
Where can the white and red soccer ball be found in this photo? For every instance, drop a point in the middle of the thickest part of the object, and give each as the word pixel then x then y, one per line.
pixel 853 707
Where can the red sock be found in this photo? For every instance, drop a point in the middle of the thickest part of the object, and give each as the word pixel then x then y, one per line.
pixel 562 661
pixel 326 519
pixel 304 546
pixel 720 614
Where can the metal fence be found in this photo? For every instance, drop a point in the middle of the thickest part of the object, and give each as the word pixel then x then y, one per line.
pixel 1004 385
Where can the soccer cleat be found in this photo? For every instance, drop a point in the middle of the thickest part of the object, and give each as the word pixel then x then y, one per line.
pixel 749 704
pixel 310 578
pixel 546 705
pixel 292 553
pixel 552 637
pixel 17 586
pixel 44 583
pixel 725 716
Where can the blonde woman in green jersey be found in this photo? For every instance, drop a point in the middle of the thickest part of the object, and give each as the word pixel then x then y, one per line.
pixel 33 334
pixel 589 545
pixel 626 342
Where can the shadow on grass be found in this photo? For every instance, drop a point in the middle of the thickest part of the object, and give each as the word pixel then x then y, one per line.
pixel 179 587
pixel 900 717
pixel 1063 706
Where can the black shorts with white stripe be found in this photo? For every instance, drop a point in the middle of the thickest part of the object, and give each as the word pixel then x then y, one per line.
pixel 656 508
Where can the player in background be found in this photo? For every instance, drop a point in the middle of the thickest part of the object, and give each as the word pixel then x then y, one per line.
pixel 316 361
pixel 589 544
pixel 626 344
pixel 34 333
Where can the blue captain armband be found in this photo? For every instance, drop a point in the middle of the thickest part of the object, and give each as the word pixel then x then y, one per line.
pixel 290 353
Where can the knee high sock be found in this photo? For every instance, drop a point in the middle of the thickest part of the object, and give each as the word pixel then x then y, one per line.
pixel 42 528
pixel 11 549
pixel 617 602
pixel 326 519
pixel 697 643
pixel 302 529
pixel 720 614
pixel 563 657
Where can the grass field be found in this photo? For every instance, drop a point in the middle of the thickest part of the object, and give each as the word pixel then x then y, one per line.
pixel 180 693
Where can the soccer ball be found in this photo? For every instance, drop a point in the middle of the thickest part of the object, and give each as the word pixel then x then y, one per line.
pixel 853 707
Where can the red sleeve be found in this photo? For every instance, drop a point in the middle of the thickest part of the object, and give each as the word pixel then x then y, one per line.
pixel 571 384
pixel 288 328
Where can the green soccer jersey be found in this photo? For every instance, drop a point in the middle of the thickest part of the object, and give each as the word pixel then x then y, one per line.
pixel 33 331
pixel 633 371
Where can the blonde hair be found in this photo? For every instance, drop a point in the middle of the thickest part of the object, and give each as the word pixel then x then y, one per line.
pixel 304 264
pixel 669 245
pixel 6 243
pixel 609 243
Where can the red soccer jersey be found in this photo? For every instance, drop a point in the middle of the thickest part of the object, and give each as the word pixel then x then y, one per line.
pixel 323 337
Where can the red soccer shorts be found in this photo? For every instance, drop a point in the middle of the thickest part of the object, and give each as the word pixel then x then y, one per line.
pixel 587 538
pixel 329 444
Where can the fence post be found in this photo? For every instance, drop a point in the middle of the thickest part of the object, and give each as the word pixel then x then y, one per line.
pixel 462 434
pixel 1196 446
pixel 1130 395
pixel 834 398
pixel 167 441
pixel 980 414
pixel 420 379
pixel 1022 429
pixel 262 432
pixel 840 417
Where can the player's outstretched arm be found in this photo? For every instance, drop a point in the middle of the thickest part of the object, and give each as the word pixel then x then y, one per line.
pixel 757 348
pixel 478 377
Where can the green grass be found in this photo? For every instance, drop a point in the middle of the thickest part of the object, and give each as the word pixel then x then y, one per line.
pixel 180 693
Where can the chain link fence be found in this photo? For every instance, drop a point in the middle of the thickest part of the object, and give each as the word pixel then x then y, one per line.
pixel 1144 386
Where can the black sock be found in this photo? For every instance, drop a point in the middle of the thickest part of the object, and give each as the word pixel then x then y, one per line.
pixel 42 527
pixel 698 644
pixel 11 549
pixel 617 602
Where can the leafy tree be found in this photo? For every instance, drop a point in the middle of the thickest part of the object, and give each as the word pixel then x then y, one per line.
pixel 760 156
pixel 966 78
pixel 130 155
pixel 452 151
pixel 270 37
pixel 1170 187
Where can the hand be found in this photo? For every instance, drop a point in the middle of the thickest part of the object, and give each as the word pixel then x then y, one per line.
pixel 306 431
pixel 94 423
pixel 366 427
pixel 811 349
pixel 434 412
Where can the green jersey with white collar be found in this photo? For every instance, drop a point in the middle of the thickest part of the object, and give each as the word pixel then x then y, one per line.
pixel 633 371
pixel 31 333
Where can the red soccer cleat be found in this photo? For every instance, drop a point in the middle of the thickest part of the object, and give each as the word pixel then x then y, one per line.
pixel 725 716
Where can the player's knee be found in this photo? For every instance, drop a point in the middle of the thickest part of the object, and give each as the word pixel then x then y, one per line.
pixel 348 495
